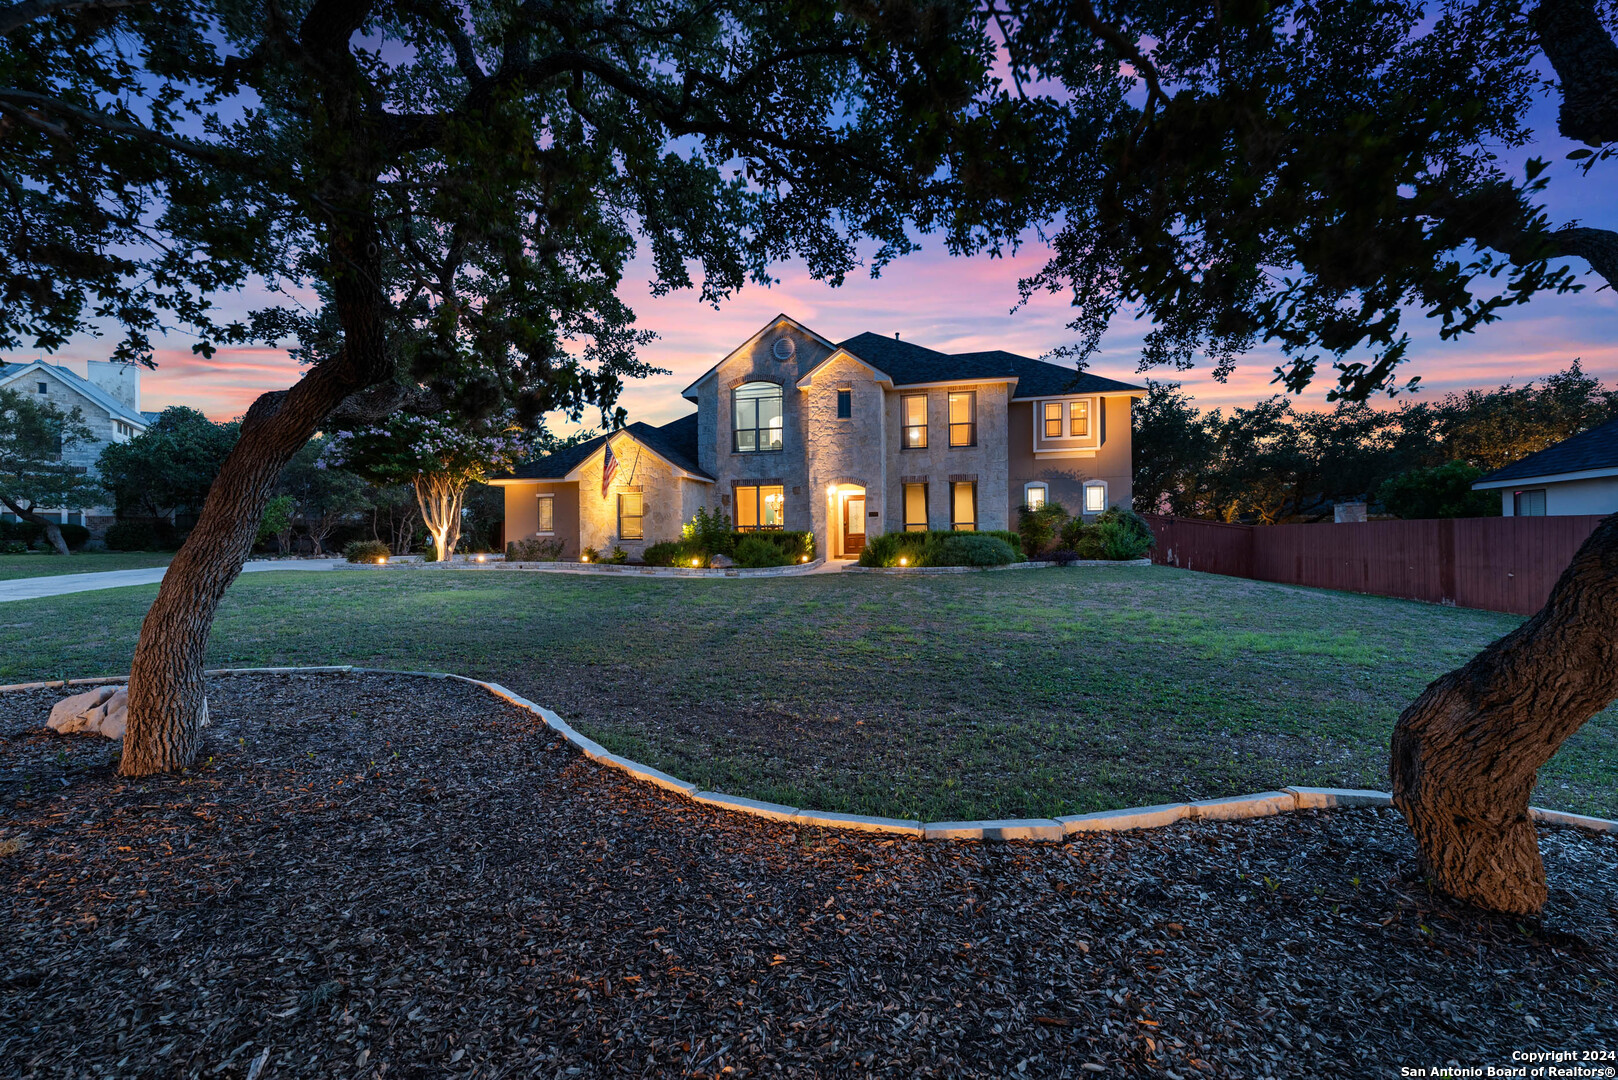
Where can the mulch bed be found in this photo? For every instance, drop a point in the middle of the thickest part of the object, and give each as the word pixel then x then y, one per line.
pixel 388 876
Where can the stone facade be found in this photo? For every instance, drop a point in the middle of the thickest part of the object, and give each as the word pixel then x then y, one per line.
pixel 828 461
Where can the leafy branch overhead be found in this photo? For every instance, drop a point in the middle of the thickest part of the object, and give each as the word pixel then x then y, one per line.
pixel 1309 174
pixel 462 189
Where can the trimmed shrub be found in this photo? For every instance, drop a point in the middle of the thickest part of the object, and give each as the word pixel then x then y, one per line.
pixel 75 536
pixel 25 533
pixel 971 549
pixel 141 535
pixel 793 546
pixel 664 553
pixel 755 549
pixel 1063 557
pixel 13 547
pixel 536 549
pixel 927 549
pixel 365 551
pixel 618 557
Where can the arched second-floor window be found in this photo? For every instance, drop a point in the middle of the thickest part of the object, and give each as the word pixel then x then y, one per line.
pixel 755 409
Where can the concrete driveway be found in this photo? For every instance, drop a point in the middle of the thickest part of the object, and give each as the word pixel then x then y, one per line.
pixel 62 584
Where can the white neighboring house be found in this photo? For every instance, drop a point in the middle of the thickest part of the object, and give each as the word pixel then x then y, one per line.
pixel 109 401
pixel 1576 476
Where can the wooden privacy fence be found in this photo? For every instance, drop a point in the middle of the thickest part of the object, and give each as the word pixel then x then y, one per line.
pixel 1498 564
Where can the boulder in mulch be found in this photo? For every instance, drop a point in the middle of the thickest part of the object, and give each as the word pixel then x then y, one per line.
pixel 721 562
pixel 102 711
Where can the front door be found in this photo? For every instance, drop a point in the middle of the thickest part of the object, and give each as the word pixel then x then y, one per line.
pixel 853 525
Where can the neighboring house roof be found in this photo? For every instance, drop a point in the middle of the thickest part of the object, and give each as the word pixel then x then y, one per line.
pixel 1589 453
pixel 676 442
pixel 908 364
pixel 78 383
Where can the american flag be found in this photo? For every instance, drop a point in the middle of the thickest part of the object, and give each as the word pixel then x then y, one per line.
pixel 609 469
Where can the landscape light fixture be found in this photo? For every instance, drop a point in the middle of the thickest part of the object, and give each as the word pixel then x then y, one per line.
pixel 381 561
pixel 903 561
pixel 584 558
pixel 696 562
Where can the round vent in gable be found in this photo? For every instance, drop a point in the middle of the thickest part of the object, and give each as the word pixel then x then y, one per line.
pixel 783 348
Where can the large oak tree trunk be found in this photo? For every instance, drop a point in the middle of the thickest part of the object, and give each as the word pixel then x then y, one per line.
pixel 1465 755
pixel 167 704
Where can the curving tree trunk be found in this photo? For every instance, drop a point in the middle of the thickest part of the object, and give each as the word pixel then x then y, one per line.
pixel 440 499
pixel 1466 754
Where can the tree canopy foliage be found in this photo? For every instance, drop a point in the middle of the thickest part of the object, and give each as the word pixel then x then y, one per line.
pixel 169 467
pixel 1272 462
pixel 1308 174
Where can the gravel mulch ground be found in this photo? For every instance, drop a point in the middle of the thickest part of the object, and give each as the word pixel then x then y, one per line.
pixel 386 876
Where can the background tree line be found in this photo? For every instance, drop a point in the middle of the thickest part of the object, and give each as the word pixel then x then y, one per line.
pixel 159 479
pixel 1273 463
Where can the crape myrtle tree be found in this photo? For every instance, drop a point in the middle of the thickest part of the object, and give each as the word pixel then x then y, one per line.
pixel 438 456
pixel 33 436
pixel 1308 174
pixel 460 187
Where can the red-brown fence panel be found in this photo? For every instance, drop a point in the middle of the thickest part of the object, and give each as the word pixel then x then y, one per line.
pixel 1498 564
pixel 1210 546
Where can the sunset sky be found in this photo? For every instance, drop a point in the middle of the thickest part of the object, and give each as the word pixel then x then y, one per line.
pixel 965 304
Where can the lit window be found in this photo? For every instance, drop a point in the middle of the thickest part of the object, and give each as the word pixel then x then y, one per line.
pixel 915 508
pixel 762 507
pixel 914 407
pixel 963 418
pixel 964 505
pixel 756 409
pixel 1053 419
pixel 631 515
pixel 1078 419
pixel 845 404
pixel 1095 498
pixel 547 514
pixel 1033 495
pixel 1530 503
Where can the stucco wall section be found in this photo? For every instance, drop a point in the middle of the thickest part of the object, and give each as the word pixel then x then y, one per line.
pixel 939 461
pixel 1112 462
pixel 522 513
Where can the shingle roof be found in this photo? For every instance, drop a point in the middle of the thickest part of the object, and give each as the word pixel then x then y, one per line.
pixel 676 441
pixel 908 364
pixel 1584 452
pixel 84 387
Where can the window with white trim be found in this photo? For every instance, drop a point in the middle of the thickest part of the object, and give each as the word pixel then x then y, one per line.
pixel 1053 419
pixel 1078 419
pixel 547 515
pixel 1095 497
pixel 1034 496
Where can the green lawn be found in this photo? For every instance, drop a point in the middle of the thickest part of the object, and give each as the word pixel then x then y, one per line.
pixel 41 564
pixel 1017 693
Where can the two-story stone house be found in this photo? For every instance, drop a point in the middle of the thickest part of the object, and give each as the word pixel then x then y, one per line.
pixel 108 399
pixel 845 439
